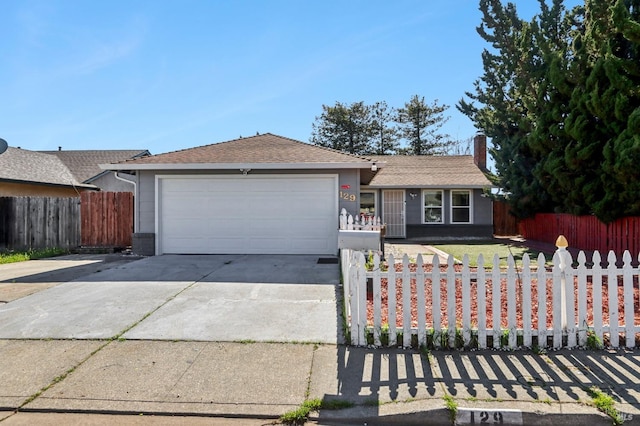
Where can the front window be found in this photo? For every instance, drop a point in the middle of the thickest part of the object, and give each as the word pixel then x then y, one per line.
pixel 432 202
pixel 460 206
pixel 368 204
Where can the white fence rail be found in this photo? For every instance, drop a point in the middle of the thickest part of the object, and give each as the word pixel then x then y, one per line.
pixel 526 305
pixel 359 223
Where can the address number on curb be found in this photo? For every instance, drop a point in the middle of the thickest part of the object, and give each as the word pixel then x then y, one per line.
pixel 474 416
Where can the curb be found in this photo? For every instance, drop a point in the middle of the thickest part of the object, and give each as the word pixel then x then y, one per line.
pixel 398 414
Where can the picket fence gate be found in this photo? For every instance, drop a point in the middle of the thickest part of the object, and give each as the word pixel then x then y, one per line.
pixel 532 317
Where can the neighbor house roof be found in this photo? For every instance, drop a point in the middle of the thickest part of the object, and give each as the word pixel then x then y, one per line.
pixel 24 166
pixel 428 171
pixel 84 164
pixel 266 151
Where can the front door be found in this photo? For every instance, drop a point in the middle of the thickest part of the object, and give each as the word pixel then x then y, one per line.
pixel 393 213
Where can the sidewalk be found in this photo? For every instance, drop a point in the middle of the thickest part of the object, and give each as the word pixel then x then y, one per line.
pixel 63 381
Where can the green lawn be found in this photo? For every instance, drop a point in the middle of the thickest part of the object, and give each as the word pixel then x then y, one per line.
pixel 21 256
pixel 488 250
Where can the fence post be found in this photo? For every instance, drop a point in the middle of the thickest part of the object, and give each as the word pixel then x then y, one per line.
pixel 562 244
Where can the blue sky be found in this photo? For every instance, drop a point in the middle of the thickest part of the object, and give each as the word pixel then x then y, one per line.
pixel 168 75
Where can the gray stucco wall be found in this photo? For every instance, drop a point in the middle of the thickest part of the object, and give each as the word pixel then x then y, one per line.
pixel 145 202
pixel 109 183
pixel 482 226
pixel 482 208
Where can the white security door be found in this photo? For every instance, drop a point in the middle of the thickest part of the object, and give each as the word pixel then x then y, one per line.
pixel 254 214
pixel 393 213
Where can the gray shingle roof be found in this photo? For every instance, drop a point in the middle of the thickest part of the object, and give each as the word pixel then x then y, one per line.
pixel 30 166
pixel 265 148
pixel 84 164
pixel 428 171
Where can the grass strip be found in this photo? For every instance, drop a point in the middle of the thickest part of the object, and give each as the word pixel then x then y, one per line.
pixel 23 256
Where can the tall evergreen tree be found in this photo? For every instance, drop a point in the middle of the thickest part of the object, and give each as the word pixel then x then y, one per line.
pixel 559 97
pixel 498 106
pixel 553 31
pixel 344 127
pixel 613 96
pixel 419 124
pixel 385 135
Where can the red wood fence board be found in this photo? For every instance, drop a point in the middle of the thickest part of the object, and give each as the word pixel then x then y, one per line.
pixel 106 219
pixel 585 232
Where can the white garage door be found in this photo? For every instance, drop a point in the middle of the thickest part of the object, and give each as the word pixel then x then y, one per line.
pixel 293 214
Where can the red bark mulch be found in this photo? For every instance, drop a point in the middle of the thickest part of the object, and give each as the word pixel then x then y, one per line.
pixel 489 301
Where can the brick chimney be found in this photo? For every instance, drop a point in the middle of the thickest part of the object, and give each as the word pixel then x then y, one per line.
pixel 480 151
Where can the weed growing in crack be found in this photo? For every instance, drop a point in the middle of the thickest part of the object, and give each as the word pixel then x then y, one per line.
pixel 605 403
pixel 593 341
pixel 451 406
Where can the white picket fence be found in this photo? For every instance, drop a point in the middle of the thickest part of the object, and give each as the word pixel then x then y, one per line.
pixel 463 320
pixel 359 222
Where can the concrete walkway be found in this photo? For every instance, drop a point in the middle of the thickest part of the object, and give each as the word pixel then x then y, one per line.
pixel 64 364
pixel 398 250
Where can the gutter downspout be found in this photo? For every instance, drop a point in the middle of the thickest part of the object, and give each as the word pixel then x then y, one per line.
pixel 135 193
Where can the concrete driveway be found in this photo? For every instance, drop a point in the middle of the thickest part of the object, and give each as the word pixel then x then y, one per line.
pixel 178 297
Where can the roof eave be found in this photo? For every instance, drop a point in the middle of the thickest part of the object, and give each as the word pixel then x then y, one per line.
pixel 64 185
pixel 430 186
pixel 233 166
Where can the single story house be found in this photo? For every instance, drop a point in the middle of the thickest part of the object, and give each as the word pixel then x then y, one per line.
pixel 271 194
pixel 30 173
pixel 84 165
pixel 431 198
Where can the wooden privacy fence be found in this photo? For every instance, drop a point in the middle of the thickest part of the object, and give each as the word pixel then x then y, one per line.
pixel 530 305
pixel 584 232
pixel 39 222
pixel 96 219
pixel 504 223
pixel 107 219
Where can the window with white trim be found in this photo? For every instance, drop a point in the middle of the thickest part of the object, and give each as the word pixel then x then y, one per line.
pixel 461 206
pixel 368 204
pixel 433 209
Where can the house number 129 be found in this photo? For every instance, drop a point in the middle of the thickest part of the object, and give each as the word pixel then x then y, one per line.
pixel 347 196
pixel 471 416
pixel 485 418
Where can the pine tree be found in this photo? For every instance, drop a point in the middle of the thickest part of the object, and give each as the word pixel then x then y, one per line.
pixel 419 124
pixel 614 92
pixel 559 97
pixel 553 32
pixel 498 106
pixel 345 128
pixel 605 105
pixel 385 136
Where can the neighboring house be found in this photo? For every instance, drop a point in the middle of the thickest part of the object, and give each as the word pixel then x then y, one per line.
pixel 270 194
pixel 30 173
pixel 84 165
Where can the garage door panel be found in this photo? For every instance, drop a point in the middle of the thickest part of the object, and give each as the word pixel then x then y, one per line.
pixel 316 244
pixel 196 245
pixel 182 210
pixel 250 214
pixel 305 185
pixel 230 229
pixel 177 186
pixel 270 245
pixel 186 228
pixel 313 228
